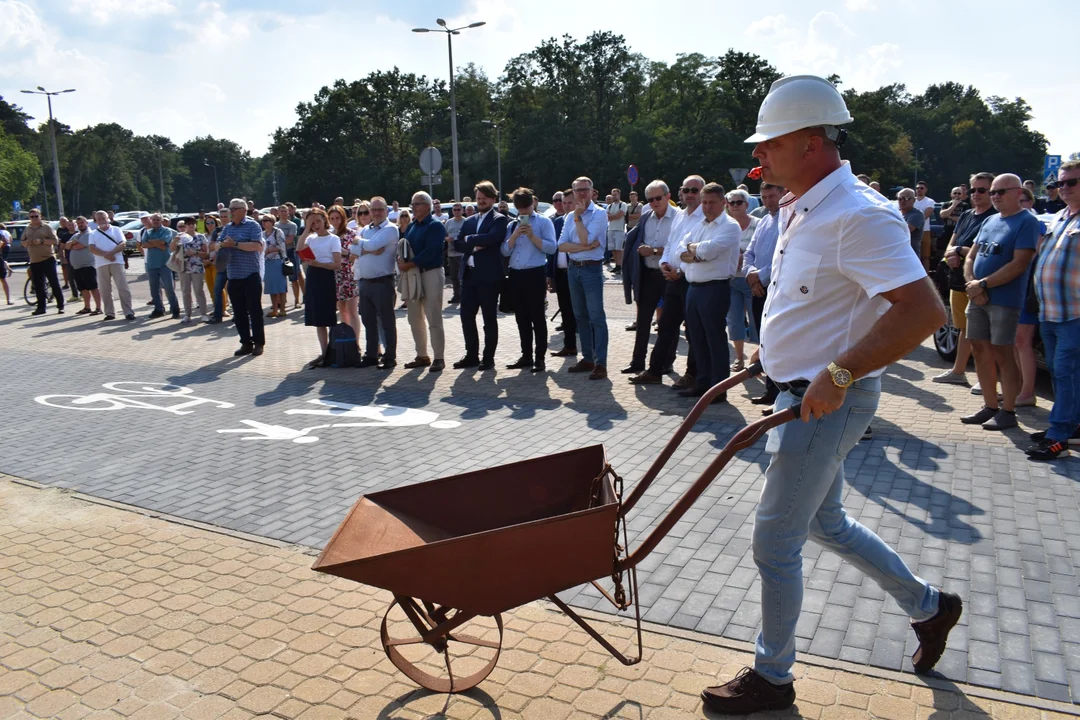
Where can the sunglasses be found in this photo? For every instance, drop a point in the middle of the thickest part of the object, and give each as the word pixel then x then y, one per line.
pixel 1002 191
pixel 736 202
pixel 957 194
pixel 363 212
pixel 690 190
pixel 658 198
pixel 34 217
pixel 978 191
pixel 1058 184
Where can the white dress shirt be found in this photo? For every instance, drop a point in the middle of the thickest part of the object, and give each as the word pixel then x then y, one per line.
pixel 479 221
pixel 841 245
pixel 680 227
pixel 717 249
pixel 656 233
pixel 374 236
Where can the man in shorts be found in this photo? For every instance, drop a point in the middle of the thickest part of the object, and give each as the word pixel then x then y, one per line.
pixel 996 271
pixel 616 230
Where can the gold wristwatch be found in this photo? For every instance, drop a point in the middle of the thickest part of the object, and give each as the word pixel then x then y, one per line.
pixel 841 377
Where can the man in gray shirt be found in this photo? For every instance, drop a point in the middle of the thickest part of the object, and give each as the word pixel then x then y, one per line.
pixel 912 216
pixel 82 264
pixel 453 227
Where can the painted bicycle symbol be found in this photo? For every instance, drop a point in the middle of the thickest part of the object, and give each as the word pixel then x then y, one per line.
pixel 174 399
pixel 371 415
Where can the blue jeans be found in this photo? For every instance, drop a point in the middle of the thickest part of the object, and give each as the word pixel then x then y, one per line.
pixel 220 281
pixel 740 316
pixel 1061 341
pixel 162 279
pixel 587 298
pixel 801 498
pixel 706 313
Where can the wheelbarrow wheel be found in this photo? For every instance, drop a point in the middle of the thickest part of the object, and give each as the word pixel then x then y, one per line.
pixel 439 648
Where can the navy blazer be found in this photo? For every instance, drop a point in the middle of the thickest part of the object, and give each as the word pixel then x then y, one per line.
pixel 553 259
pixel 489 261
pixel 631 261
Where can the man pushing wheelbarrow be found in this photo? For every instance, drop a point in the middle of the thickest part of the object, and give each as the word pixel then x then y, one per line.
pixel 848 297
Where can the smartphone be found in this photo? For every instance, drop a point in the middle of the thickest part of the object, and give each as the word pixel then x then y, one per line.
pixel 525 220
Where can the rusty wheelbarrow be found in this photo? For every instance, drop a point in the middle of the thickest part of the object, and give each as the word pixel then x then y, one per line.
pixel 458 551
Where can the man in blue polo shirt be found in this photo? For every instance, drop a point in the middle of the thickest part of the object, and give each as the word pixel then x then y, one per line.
pixel 156 244
pixel 996 271
pixel 583 237
pixel 243 239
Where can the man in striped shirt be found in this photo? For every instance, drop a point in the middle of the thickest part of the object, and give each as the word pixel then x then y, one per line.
pixel 1057 285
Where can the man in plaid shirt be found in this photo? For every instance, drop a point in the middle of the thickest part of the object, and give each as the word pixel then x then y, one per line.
pixel 1057 284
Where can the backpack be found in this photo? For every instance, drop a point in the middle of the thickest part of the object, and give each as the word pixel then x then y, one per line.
pixel 342 350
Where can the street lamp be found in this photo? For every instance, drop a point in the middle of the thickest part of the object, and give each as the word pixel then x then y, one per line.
pixel 498 148
pixel 453 102
pixel 52 136
pixel 917 151
pixel 217 192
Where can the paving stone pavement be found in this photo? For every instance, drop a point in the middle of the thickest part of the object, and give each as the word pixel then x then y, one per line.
pixel 106 612
pixel 963 506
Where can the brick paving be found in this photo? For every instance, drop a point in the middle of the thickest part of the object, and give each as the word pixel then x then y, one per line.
pixel 963 506
pixel 109 613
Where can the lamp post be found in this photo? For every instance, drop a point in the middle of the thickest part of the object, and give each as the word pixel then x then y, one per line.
pixel 498 150
pixel 453 101
pixel 917 151
pixel 52 137
pixel 217 192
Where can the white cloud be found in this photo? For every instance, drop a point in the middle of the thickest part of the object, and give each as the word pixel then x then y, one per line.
pixel 105 12
pixel 859 5
pixel 768 25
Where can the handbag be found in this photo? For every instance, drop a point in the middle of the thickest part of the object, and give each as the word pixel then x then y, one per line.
pixel 176 259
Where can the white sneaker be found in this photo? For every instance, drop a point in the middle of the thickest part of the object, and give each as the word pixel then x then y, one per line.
pixel 950 378
pixel 976 389
pixel 203 318
pixel 185 319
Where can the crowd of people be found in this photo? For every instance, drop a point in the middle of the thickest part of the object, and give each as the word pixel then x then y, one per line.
pixel 703 262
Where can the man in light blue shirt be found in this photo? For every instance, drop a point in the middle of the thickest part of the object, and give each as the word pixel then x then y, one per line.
pixel 529 241
pixel 583 237
pixel 156 244
pixel 376 262
pixel 757 266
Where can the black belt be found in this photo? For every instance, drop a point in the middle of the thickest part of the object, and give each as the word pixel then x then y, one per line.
pixel 525 270
pixel 793 385
pixel 381 278
pixel 710 282
pixel 584 263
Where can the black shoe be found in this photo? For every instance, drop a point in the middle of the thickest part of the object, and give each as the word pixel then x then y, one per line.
pixel 38 312
pixel 668 370
pixel 213 321
pixel 748 693
pixel 520 364
pixel 129 318
pixel 486 365
pixel 453 301
pixel 156 314
pixel 617 270
pixel 176 315
pixel 766 399
pixel 934 632
pixel 257 350
pixel 869 434
pixel 632 370
pixel 1047 450
pixel 367 361
pixel 60 310
pixel 466 362
pixel 109 317
pixel 437 366
pixel 980 417
pixel 539 367
pixel 244 350
pixel 387 364
pixel 558 328
pixel 632 327
pixel 1002 420
pixel 565 352
pixel 691 393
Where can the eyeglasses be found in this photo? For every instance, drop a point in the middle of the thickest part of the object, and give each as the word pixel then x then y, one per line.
pixel 978 191
pixel 34 217
pixel 690 190
pixel 583 190
pixel 957 194
pixel 736 202
pixel 658 198
pixel 1058 184
pixel 1002 191
pixel 363 212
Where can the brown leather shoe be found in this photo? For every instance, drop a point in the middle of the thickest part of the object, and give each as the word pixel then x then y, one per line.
pixel 599 373
pixel 686 382
pixel 646 379
pixel 418 363
pixel 582 366
pixel 934 632
pixel 566 352
pixel 748 693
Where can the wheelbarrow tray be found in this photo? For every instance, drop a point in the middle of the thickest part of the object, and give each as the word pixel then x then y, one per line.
pixel 485 541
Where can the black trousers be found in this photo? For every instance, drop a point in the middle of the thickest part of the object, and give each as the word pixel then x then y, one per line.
pixel 566 308
pixel 650 290
pixel 667 335
pixel 758 306
pixel 45 271
pixel 528 289
pixel 454 271
pixel 485 298
pixel 376 305
pixel 245 294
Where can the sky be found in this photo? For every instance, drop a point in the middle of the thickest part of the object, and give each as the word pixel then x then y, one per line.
pixel 237 68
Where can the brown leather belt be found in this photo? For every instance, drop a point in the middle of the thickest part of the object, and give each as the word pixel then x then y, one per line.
pixel 585 263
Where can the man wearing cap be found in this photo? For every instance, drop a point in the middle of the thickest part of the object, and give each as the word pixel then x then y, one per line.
pixel 847 297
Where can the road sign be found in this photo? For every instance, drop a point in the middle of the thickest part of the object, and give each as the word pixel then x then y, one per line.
pixel 1051 163
pixel 737 174
pixel 431 179
pixel 16 205
pixel 430 161
pixel 632 175
pixel 115 208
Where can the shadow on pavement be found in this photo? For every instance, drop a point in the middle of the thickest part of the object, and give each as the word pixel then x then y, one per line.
pixel 489 710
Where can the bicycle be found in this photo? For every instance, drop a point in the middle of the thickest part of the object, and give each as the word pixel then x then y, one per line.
pixel 31 297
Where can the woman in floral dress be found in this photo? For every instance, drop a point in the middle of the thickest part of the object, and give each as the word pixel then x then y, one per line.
pixel 348 303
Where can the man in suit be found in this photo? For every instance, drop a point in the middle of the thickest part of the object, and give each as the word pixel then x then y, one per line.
pixel 652 234
pixel 481 276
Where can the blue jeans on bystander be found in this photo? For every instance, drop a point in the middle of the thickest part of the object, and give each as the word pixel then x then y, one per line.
pixel 587 297
pixel 1061 341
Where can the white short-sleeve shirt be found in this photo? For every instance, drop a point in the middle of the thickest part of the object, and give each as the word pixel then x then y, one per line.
pixel 841 245
pixel 921 206
pixel 324 246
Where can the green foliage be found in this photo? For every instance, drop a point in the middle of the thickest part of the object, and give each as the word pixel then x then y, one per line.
pixel 19 172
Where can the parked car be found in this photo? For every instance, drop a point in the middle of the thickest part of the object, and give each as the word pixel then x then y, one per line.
pixel 122 217
pixel 17 253
pixel 131 232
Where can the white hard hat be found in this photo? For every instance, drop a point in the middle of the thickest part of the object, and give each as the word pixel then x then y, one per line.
pixel 797 102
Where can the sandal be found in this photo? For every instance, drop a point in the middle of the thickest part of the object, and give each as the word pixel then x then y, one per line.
pixel 316 363
pixel 738 366
pixel 84 311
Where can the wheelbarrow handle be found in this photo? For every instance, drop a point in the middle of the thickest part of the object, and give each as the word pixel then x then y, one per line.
pixel 753 370
pixel 744 438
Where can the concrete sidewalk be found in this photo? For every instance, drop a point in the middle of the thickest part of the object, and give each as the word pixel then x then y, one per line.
pixel 108 612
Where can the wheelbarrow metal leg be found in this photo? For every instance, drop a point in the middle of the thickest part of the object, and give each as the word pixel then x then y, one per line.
pixel 595 634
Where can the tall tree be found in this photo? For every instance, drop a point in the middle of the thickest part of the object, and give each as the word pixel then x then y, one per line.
pixel 19 171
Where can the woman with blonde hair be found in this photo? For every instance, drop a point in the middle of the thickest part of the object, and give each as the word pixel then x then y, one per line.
pixel 320 303
pixel 347 299
pixel 740 318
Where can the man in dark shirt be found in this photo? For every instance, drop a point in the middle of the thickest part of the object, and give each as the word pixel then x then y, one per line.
pixel 913 217
pixel 426 237
pixel 1050 204
pixel 967 228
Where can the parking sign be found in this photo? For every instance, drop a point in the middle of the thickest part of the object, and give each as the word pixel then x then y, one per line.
pixel 1051 163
